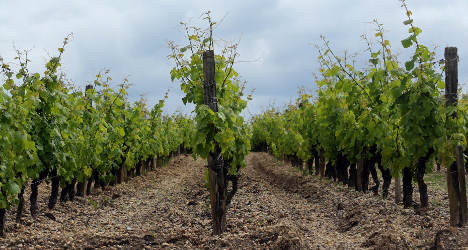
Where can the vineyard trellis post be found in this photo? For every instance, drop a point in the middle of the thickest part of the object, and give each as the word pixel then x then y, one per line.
pixel 455 172
pixel 398 188
pixel 322 164
pixel 359 172
pixel 81 187
pixel 462 185
pixel 217 181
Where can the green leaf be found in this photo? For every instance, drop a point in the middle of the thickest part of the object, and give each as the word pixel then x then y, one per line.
pixel 440 84
pixel 408 22
pixel 375 54
pixel 409 65
pixel 407 42
pixel 9 84
pixel 222 116
pixel 415 30
pixel 121 131
pixel 374 61
pixel 14 188
pixel 396 92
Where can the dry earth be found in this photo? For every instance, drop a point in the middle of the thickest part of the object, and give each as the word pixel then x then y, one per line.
pixel 275 208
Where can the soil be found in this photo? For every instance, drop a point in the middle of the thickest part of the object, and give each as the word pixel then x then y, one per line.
pixel 275 208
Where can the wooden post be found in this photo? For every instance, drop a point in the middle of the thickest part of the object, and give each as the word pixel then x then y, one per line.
pixel 455 176
pixel 398 189
pixel 217 182
pixel 87 188
pixel 462 186
pixel 360 172
pixel 122 174
pixel 81 185
pixel 322 164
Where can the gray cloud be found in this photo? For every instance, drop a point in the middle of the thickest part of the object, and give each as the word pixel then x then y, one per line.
pixel 130 38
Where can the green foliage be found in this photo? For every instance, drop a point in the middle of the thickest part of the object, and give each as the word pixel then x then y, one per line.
pixel 225 127
pixel 398 109
pixel 47 125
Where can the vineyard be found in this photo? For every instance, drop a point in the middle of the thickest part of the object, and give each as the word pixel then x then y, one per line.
pixel 337 169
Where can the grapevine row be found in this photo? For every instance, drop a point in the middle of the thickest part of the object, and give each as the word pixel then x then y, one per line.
pixel 390 115
pixel 54 132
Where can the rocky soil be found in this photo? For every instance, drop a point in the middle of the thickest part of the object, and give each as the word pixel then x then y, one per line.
pixel 275 208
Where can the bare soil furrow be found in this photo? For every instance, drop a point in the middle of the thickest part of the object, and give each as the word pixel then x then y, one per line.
pixel 275 208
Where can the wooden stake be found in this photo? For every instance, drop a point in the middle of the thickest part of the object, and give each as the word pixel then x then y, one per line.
pixel 455 173
pixel 217 182
pixel 397 189
pixel 462 187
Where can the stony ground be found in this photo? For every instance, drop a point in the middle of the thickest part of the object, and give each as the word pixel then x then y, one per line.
pixel 275 208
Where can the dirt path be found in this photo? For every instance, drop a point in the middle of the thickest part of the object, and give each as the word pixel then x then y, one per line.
pixel 148 210
pixel 275 207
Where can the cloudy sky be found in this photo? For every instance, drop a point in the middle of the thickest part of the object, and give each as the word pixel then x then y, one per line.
pixel 276 48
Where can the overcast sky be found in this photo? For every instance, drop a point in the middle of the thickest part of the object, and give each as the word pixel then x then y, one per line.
pixel 130 38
